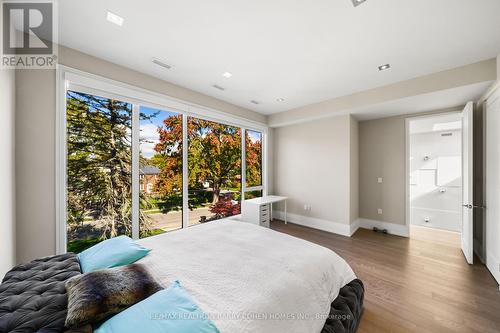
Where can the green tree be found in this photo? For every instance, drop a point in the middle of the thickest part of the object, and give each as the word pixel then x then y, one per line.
pixel 99 163
pixel 253 150
pixel 214 155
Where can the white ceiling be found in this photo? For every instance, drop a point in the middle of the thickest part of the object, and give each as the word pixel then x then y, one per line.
pixel 439 100
pixel 301 50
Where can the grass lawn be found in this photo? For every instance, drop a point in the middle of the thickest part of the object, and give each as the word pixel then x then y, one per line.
pixel 80 245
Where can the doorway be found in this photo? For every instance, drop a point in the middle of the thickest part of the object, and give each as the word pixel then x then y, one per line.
pixel 439 178
pixel 435 178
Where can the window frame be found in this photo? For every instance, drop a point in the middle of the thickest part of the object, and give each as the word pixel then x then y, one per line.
pixel 68 78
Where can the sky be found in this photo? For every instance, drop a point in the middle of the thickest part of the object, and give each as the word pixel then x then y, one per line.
pixel 149 135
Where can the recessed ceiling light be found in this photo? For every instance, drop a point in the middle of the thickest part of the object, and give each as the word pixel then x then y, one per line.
pixel 227 75
pixel 161 63
pixel 255 102
pixel 218 87
pixel 113 18
pixel 356 3
pixel 280 99
pixel 384 67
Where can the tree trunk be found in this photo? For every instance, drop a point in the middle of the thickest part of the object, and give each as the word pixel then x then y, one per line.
pixel 216 193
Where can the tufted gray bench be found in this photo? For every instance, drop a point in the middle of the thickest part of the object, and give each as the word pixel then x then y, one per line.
pixel 346 309
pixel 33 296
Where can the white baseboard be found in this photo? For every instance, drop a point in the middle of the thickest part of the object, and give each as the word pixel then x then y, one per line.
pixel 354 227
pixel 340 228
pixel 393 229
pixel 325 225
pixel 493 265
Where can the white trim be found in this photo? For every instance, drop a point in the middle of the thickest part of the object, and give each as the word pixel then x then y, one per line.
pixel 311 222
pixel 243 163
pixel 491 90
pixel 407 178
pixel 493 265
pixel 265 160
pixel 185 173
pixel 135 170
pixel 343 229
pixel 392 228
pixel 355 225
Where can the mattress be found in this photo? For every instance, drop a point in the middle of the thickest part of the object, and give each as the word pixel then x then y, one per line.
pixel 248 278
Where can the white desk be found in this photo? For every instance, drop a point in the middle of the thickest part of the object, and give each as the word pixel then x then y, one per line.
pixel 260 210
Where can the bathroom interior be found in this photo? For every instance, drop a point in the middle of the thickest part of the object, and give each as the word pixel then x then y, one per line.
pixel 435 183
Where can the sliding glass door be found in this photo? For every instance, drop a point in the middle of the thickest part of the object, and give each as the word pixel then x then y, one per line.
pixel 128 164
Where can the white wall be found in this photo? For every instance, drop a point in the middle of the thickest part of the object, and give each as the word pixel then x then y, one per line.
pixel 7 214
pixel 382 155
pixel 35 164
pixel 436 179
pixel 312 167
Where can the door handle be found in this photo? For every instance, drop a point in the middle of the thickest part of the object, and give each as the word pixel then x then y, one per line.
pixel 473 206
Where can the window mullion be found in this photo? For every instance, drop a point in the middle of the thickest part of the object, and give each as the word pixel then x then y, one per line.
pixel 185 178
pixel 135 171
pixel 243 164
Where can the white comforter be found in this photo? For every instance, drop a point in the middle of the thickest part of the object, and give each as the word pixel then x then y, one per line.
pixel 249 278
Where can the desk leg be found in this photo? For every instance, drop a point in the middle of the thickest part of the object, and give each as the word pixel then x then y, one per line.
pixel 285 213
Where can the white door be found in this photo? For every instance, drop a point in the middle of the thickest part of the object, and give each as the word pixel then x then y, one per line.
pixel 467 178
pixel 492 123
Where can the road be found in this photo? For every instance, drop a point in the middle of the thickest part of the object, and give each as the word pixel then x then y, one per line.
pixel 173 220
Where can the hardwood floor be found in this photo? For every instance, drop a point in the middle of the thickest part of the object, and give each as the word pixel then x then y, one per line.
pixel 417 284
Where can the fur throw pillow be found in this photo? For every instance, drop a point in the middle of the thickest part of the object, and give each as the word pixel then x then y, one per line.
pixel 95 296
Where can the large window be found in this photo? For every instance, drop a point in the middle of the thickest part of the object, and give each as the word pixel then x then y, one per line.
pixel 99 169
pixel 160 168
pixel 253 149
pixel 214 169
pixel 143 168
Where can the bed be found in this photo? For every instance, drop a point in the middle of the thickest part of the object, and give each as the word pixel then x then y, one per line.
pixel 245 277
pixel 249 278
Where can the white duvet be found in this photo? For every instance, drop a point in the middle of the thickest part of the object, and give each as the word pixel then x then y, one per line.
pixel 249 278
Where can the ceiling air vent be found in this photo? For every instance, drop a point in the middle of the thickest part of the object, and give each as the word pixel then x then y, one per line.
pixel 161 63
pixel 219 87
pixel 356 3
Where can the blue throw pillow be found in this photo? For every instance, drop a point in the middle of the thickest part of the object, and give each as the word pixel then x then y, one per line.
pixel 169 310
pixel 114 252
